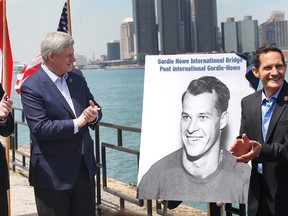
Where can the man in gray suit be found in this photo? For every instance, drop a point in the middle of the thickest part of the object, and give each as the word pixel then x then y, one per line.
pixel 263 135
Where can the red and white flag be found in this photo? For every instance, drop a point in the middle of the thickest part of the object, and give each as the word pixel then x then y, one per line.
pixel 35 64
pixel 27 71
pixel 6 61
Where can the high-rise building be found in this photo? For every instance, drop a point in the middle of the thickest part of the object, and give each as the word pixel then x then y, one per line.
pixel 183 26
pixel 204 25
pixel 275 30
pixel 229 35
pixel 127 39
pixel 247 35
pixel 144 15
pixel 241 36
pixel 174 24
pixel 113 50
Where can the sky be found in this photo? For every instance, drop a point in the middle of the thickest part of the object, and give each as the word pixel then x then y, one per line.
pixel 96 22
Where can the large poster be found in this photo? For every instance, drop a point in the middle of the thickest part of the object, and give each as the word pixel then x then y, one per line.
pixel 187 131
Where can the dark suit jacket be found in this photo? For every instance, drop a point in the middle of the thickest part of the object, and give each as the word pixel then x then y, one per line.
pixel 274 154
pixel 56 151
pixel 5 130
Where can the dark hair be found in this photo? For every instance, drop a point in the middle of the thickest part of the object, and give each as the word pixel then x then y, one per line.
pixel 208 84
pixel 264 49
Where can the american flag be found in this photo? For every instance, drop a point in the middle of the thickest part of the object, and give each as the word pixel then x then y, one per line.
pixel 33 66
pixel 63 23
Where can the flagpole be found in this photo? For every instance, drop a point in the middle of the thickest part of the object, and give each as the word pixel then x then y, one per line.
pixel 5 82
pixel 69 17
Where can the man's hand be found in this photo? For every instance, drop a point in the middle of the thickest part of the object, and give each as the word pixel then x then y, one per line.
pixel 245 149
pixel 88 115
pixel 5 106
pixel 91 112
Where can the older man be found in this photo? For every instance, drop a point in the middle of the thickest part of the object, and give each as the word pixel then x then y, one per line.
pixel 59 109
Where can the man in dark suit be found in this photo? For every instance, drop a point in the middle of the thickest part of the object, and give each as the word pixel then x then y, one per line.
pixel 6 128
pixel 264 135
pixel 59 109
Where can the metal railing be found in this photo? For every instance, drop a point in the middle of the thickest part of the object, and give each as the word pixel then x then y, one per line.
pixel 101 168
pixel 101 148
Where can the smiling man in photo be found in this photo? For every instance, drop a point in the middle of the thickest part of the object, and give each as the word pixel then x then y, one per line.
pixel 202 170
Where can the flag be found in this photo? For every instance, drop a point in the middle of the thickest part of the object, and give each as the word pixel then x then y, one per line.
pixel 6 61
pixel 35 64
pixel 248 56
pixel 27 71
pixel 63 23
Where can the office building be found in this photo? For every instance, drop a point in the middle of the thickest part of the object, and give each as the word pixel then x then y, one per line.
pixel 113 50
pixel 174 24
pixel 275 30
pixel 204 26
pixel 241 36
pixel 127 35
pixel 144 15
pixel 229 35
pixel 247 35
pixel 183 26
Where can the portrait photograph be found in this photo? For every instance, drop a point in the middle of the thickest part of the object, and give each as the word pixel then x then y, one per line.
pixel 190 119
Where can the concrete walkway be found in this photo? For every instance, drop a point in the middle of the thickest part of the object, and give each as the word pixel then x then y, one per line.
pixel 23 203
pixel 21 196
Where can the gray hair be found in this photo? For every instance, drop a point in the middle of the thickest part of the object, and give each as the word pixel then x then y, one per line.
pixel 55 42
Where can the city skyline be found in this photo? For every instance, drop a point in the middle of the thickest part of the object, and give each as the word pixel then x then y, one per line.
pixel 94 24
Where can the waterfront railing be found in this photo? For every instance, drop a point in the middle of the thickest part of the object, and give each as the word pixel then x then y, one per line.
pixel 20 159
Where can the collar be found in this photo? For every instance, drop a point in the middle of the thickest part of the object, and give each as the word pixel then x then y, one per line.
pixel 52 76
pixel 274 97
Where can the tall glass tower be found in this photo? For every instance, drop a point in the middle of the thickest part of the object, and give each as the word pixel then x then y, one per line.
pixel 183 26
pixel 144 15
pixel 247 35
pixel 229 35
pixel 204 25
pixel 174 24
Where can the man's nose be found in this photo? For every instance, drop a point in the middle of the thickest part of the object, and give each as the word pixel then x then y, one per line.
pixel 274 70
pixel 73 59
pixel 192 126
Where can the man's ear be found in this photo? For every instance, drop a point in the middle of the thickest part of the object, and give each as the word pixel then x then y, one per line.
pixel 224 120
pixel 51 56
pixel 256 72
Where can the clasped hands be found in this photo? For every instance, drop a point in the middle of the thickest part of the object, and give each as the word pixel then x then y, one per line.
pixel 5 106
pixel 88 115
pixel 245 149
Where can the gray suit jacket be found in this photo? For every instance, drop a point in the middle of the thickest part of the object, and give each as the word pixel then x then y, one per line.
pixel 274 154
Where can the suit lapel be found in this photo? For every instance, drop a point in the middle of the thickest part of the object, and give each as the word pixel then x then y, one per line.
pixel 278 110
pixel 74 92
pixel 52 88
pixel 256 106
